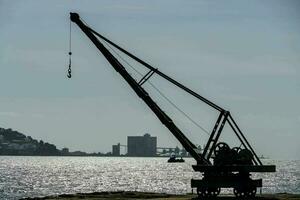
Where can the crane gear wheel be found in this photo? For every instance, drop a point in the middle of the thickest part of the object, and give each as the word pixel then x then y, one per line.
pixel 245 157
pixel 237 149
pixel 222 153
pixel 221 147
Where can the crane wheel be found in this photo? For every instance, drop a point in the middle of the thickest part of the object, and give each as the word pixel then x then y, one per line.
pixel 208 192
pixel 244 192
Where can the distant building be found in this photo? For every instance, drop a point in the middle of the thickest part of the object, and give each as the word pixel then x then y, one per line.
pixel 116 150
pixel 141 145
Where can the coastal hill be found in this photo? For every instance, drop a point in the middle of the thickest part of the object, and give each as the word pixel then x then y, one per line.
pixel 16 143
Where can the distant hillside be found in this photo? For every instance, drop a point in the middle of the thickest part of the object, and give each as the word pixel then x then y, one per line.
pixel 15 143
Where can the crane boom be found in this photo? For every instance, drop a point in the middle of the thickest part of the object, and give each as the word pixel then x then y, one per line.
pixel 162 116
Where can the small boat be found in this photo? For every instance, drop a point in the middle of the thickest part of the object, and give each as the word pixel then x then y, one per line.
pixel 173 159
pixel 263 157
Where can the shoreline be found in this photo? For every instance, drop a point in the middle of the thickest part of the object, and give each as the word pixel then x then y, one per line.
pixel 130 195
pixel 124 156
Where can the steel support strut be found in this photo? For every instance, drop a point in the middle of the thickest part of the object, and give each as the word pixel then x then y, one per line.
pixel 146 77
pixel 216 138
pixel 211 137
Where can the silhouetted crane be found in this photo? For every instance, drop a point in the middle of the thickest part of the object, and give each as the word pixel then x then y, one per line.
pixel 229 167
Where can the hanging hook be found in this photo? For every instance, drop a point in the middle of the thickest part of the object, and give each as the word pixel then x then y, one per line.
pixel 69 70
pixel 69 73
pixel 70 53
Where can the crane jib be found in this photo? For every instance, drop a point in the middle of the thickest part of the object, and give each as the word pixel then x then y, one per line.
pixel 163 117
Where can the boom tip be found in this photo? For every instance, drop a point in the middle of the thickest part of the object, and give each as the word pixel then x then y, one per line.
pixel 74 16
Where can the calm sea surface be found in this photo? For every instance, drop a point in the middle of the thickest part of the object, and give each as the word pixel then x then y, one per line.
pixel 40 176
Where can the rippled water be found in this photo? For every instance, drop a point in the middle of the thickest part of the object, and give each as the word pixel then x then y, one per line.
pixel 40 176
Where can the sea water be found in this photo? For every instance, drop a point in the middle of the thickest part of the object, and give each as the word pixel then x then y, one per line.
pixel 26 176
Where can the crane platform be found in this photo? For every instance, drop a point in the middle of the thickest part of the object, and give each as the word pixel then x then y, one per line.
pixel 234 168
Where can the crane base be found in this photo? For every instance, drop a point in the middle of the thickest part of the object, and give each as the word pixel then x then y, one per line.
pixel 210 185
pixel 237 177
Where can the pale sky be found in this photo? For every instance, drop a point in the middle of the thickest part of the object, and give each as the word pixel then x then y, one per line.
pixel 242 55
